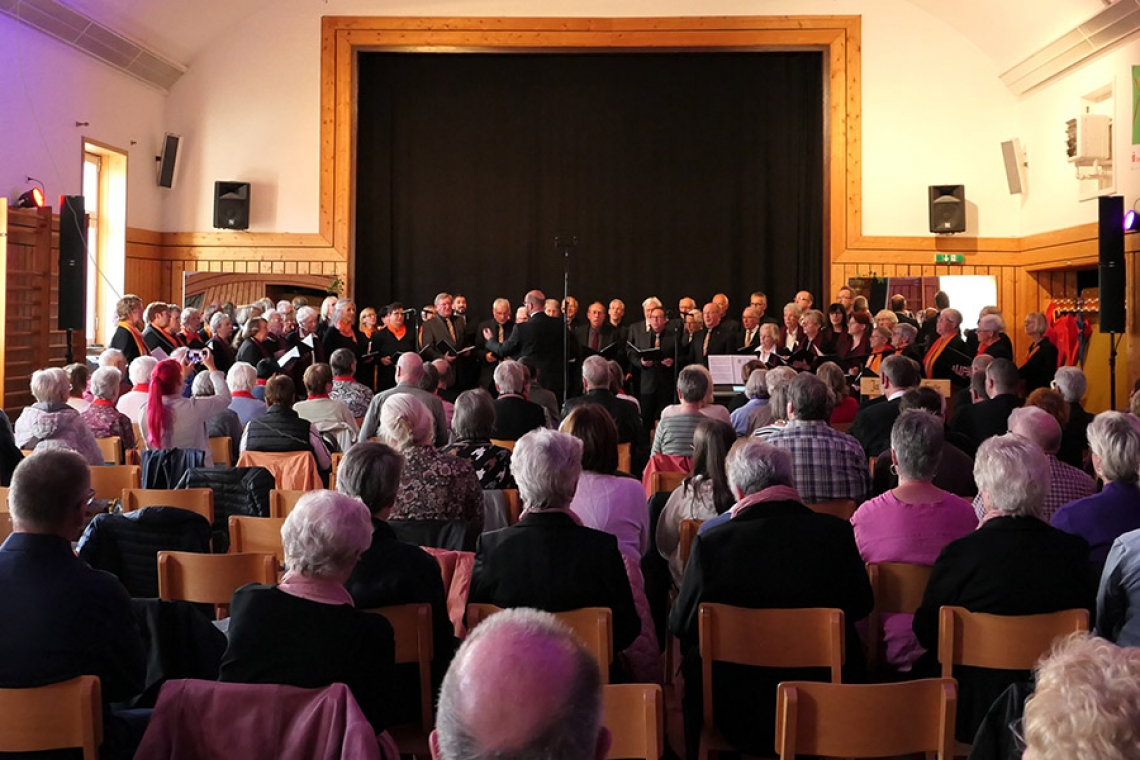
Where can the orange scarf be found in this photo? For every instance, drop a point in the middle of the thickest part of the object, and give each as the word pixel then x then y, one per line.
pixel 399 335
pixel 983 346
pixel 1032 351
pixel 143 350
pixel 933 354
pixel 169 338
pixel 875 360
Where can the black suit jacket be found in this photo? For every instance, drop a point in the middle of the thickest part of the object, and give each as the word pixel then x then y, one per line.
pixel 606 335
pixel 549 562
pixel 154 339
pixel 986 418
pixel 771 556
pixel 487 368
pixel 657 377
pixel 1037 371
pixel 541 338
pixel 872 425
pixel 1009 566
pixel 723 340
pixel 515 417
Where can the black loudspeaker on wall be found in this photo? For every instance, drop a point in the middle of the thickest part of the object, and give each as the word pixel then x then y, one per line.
pixel 1111 270
pixel 947 208
pixel 72 263
pixel 231 205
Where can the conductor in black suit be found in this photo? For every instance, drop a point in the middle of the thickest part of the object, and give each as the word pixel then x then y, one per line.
pixel 540 337
pixel 658 381
pixel 716 338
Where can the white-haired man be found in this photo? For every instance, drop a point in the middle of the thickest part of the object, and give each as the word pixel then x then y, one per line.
pixel 596 380
pixel 1072 384
pixel 409 370
pixel 947 358
pixel 241 380
pixel 500 324
pixel 990 417
pixel 131 402
pixel 446 335
pixel 515 415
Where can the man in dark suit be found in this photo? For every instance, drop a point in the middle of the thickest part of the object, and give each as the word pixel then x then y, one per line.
pixel 991 417
pixel 898 306
pixel 715 338
pixel 595 333
pixel 759 301
pixel 596 382
pixel 447 327
pixel 721 300
pixel 1013 564
pixel 657 385
pixel 515 415
pixel 63 619
pixel 773 553
pixel 501 324
pixel 873 422
pixel 928 330
pixel 541 337
pixel 548 560
pixel 749 336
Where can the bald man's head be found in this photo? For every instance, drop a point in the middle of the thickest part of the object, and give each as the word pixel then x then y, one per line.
pixel 491 705
pixel 534 301
pixel 409 367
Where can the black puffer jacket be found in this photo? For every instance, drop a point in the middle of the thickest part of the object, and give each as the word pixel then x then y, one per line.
pixel 237 491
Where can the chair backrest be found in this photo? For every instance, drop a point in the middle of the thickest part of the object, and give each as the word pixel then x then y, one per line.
pixel 592 625
pixel 58 716
pixel 1009 642
pixel 4 500
pixel 504 443
pixel 109 481
pixel 411 624
pixel 781 638
pixel 625 457
pixel 260 535
pixel 689 530
pixel 281 502
pixel 5 526
pixel 293 470
pixel 336 457
pixel 668 481
pixel 898 587
pixel 211 578
pixel 112 448
pixel 514 505
pixel 200 500
pixel 635 715
pixel 858 720
pixel 841 508
pixel 222 451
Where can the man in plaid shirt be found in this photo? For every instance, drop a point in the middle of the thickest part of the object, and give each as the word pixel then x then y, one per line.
pixel 827 464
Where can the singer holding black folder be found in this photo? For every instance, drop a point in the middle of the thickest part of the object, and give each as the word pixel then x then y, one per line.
pixel 946 359
pixel 392 340
pixel 653 351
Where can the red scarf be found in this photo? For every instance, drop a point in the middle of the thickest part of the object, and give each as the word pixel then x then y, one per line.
pixel 142 388
pixel 344 378
pixel 101 402
pixel 242 394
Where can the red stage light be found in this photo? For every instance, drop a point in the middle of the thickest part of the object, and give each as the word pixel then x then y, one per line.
pixel 34 198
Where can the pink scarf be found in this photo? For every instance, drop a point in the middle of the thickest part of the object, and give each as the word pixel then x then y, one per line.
pixel 315 589
pixel 771 493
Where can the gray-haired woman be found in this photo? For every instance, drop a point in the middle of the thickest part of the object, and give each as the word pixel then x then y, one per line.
pixel 51 423
pixel 472 424
pixel 101 417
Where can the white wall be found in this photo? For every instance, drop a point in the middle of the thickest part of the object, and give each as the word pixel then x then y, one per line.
pixel 45 89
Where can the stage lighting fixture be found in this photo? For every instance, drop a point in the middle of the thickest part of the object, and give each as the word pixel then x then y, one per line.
pixel 1131 221
pixel 34 198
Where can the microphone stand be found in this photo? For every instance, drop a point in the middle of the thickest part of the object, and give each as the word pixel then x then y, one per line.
pixel 564 244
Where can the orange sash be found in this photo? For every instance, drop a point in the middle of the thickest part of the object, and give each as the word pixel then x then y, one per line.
pixel 143 350
pixel 933 354
pixel 1032 351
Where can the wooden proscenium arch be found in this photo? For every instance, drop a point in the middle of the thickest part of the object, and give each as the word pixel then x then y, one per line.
pixel 837 37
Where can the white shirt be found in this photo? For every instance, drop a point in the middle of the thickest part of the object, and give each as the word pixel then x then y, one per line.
pixel 188 417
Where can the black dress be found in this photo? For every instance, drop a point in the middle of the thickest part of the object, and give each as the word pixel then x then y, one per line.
pixel 389 345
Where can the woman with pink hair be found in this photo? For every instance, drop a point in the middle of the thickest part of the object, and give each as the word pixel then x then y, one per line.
pixel 168 420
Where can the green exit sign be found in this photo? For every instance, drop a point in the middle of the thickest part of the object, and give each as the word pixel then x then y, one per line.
pixel 949 258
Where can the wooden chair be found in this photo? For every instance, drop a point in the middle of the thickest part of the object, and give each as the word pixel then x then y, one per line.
pixel 667 481
pixel 112 448
pixel 281 502
pixel 110 481
pixel 514 505
pixel 689 530
pixel 795 638
pixel 211 578
pixel 335 457
pixel 61 715
pixel 4 499
pixel 841 508
pixel 898 587
pixel 222 451
pixel 140 442
pixel 411 624
pixel 5 526
pixel 504 443
pixel 635 715
pixel 200 500
pixel 625 457
pixel 259 535
pixel 858 720
pixel 592 625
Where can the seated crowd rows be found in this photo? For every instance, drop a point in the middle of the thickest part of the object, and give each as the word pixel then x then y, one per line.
pixel 1017 500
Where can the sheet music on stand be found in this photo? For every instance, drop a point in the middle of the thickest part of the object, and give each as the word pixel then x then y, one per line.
pixel 726 368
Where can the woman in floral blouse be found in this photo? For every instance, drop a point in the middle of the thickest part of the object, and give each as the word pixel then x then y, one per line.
pixel 103 419
pixel 473 421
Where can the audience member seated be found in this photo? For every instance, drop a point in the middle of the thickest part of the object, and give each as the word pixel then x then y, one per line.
pixel 872 424
pixel 131 402
pixel 913 522
pixel 828 464
pixel 707 405
pixel 490 707
pixel 50 423
pixel 756 395
pixel 548 560
pixel 955 472
pixel 430 383
pixel 675 433
pixel 1040 362
pixel 63 618
pixel 77 375
pixel 305 631
pixel 596 381
pixel 774 415
pixel 1114 438
pixel 1065 483
pixel 515 416
pixel 434 486
pixel 281 429
pixel 221 329
pixel 241 379
pixel 1118 601
pixel 113 357
pixel 845 406
pixel 355 395
pixel 974 391
pixel 472 425
pixel 170 421
pixel 605 500
pixel 703 495
pixel 409 370
pixel 331 418
pixel 266 370
pixel 539 393
pixel 773 552
pixel 101 417
pixel 224 424
pixel 990 417
pixel 1013 564
pixel 1072 384
pixel 391 572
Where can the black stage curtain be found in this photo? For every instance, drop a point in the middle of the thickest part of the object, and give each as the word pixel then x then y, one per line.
pixel 679 174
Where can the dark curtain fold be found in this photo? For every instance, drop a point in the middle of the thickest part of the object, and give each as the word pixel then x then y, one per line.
pixel 679 173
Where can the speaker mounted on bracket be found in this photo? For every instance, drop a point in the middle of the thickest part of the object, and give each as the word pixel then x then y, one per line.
pixel 231 205
pixel 947 208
